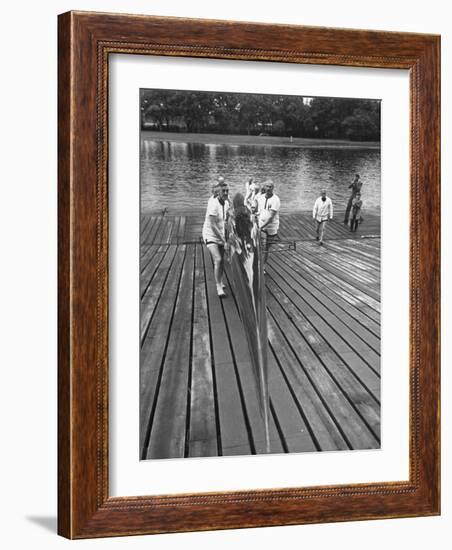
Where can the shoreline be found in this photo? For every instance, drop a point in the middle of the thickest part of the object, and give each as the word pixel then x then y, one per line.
pixel 229 139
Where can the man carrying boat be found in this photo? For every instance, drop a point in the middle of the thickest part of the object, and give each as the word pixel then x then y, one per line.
pixel 268 209
pixel 246 276
pixel 322 212
pixel 213 231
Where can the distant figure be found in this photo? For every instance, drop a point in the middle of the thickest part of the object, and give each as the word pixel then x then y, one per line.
pixel 252 193
pixel 357 204
pixel 213 231
pixel 164 211
pixel 268 210
pixel 355 186
pixel 322 212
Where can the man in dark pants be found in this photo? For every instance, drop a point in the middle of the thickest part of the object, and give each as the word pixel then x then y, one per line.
pixel 356 212
pixel 268 207
pixel 355 186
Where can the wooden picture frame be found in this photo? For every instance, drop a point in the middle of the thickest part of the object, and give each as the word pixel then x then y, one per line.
pixel 86 40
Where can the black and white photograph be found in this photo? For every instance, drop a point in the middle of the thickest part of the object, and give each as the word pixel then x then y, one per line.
pixel 224 235
pixel 259 273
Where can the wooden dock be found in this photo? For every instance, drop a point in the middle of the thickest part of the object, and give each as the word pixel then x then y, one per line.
pixel 197 395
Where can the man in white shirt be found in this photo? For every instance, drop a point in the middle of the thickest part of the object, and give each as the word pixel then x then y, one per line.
pixel 322 212
pixel 268 209
pixel 213 231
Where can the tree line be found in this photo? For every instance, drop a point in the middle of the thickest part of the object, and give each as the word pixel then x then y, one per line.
pixel 260 114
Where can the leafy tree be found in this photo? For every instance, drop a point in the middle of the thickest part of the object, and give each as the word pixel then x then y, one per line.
pixel 279 128
pixel 279 115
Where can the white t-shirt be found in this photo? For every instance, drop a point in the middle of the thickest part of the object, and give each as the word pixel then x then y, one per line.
pixel 265 205
pixel 215 214
pixel 322 209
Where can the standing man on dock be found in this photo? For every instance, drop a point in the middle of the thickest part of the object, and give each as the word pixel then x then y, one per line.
pixel 213 231
pixel 355 186
pixel 322 212
pixel 268 208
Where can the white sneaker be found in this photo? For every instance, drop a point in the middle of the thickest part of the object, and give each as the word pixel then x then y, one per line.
pixel 221 293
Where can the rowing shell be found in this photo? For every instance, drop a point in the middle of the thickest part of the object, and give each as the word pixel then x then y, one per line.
pixel 247 274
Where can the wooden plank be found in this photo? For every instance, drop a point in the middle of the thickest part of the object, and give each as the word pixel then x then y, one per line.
pixel 288 379
pixel 318 261
pixel 319 284
pixel 357 249
pixel 324 304
pixel 354 268
pixel 337 363
pixel 151 237
pixel 324 321
pixel 161 231
pixel 202 435
pixel 349 421
pixel 340 264
pixel 153 291
pixel 370 306
pixel 354 257
pixel 181 231
pixel 144 222
pixel 233 430
pixel 147 254
pixel 154 343
pixel 169 426
pixel 148 220
pixel 165 237
pixel 154 260
pixel 220 366
pixel 364 284
pixel 353 262
pixel 175 229
pixel 246 379
pixel 147 237
pixel 330 329
pixel 301 226
pixel 294 429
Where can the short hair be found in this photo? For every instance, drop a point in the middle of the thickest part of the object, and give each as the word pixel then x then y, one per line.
pixel 268 183
pixel 356 175
pixel 221 186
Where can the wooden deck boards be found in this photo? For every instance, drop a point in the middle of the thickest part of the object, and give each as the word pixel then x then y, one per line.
pixel 175 227
pixel 197 394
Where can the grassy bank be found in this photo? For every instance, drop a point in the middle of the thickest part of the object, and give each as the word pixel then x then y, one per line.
pixel 259 140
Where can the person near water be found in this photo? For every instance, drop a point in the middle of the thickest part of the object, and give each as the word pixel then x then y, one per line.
pixel 322 212
pixel 213 231
pixel 252 194
pixel 268 211
pixel 356 212
pixel 355 186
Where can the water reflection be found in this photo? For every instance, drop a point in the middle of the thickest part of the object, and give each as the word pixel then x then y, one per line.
pixel 175 174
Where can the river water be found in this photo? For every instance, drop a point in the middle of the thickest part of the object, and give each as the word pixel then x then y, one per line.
pixel 178 175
